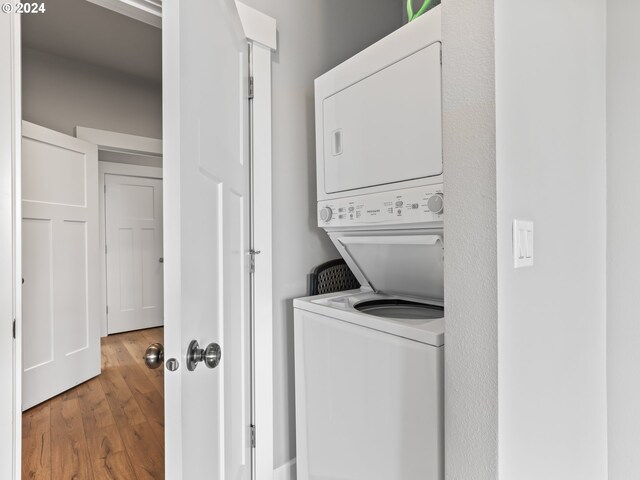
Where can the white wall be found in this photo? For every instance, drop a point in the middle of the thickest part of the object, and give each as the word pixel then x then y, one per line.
pixel 60 93
pixel 313 37
pixel 525 349
pixel 551 168
pixel 623 276
pixel 471 356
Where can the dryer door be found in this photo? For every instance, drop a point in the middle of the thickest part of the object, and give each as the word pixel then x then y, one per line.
pixel 409 263
pixel 386 128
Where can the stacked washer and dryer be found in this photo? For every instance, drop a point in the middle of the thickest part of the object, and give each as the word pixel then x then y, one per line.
pixel 369 362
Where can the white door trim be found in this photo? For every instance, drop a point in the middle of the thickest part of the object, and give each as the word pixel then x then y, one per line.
pixel 111 168
pixel 10 247
pixel 258 27
pixel 263 276
pixel 120 142
pixel 147 11
pixel 261 32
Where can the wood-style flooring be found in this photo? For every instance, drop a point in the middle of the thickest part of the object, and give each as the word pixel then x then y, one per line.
pixel 111 427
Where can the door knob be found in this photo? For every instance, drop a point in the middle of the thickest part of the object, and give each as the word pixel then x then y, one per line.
pixel 210 356
pixel 154 355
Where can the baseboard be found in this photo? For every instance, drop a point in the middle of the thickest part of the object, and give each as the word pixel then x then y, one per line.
pixel 286 471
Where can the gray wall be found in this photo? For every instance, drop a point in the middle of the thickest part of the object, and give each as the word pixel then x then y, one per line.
pixel 313 37
pixel 471 355
pixel 551 168
pixel 623 276
pixel 60 93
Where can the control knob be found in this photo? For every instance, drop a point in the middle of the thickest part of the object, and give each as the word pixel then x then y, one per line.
pixel 325 214
pixel 435 204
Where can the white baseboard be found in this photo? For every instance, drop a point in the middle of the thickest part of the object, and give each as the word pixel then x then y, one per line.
pixel 286 471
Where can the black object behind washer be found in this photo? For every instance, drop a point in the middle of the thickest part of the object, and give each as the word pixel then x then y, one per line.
pixel 332 276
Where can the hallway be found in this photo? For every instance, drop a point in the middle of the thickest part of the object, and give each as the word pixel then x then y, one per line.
pixel 111 427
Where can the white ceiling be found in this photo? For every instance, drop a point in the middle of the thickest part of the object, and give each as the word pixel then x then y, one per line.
pixel 89 33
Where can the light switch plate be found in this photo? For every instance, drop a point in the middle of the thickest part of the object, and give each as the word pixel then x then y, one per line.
pixel 522 243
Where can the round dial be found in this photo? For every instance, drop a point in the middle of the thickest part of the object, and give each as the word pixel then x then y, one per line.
pixel 436 203
pixel 325 214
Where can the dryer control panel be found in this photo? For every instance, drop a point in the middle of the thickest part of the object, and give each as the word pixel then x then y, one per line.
pixel 407 206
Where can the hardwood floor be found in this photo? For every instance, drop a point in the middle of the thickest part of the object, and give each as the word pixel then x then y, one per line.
pixel 111 427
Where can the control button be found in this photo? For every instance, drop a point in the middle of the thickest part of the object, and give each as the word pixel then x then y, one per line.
pixel 435 203
pixel 399 212
pixel 351 209
pixel 341 209
pixel 414 206
pixel 325 214
pixel 399 203
pixel 341 217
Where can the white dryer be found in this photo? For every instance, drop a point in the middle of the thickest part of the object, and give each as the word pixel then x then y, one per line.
pixel 369 362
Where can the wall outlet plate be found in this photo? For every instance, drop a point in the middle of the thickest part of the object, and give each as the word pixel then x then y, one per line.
pixel 522 243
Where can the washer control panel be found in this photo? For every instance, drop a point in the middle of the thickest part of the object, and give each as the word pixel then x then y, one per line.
pixel 410 205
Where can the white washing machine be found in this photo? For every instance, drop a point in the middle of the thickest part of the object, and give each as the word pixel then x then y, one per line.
pixel 369 362
pixel 369 388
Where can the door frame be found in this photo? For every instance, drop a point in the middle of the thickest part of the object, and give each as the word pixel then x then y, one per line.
pixel 261 33
pixel 260 30
pixel 10 248
pixel 121 169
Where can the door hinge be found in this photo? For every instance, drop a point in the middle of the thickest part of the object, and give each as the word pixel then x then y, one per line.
pixel 105 249
pixel 105 188
pixel 250 88
pixel 253 436
pixel 14 328
pixel 440 55
pixel 107 309
pixel 252 261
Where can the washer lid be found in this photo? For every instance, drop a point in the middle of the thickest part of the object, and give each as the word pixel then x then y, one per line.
pixel 409 263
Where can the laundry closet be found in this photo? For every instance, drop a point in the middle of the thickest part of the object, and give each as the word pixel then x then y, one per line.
pixel 369 362
pixel 313 38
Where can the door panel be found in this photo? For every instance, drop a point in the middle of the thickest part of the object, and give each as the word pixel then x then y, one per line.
pixel 60 263
pixel 206 238
pixel 134 252
pixel 37 248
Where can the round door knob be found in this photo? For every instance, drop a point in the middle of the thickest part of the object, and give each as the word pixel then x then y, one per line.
pixel 325 214
pixel 210 356
pixel 435 203
pixel 154 355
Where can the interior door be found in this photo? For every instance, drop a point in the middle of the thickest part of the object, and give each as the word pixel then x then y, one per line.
pixel 206 208
pixel 134 252
pixel 60 255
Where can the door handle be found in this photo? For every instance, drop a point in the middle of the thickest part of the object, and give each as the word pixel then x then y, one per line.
pixel 161 260
pixel 154 356
pixel 210 356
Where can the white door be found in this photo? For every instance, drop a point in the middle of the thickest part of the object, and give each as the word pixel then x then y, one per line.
pixel 134 252
pixel 60 263
pixel 206 208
